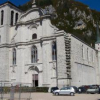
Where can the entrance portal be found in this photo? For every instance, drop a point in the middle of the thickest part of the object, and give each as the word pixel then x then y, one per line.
pixel 35 80
pixel 35 75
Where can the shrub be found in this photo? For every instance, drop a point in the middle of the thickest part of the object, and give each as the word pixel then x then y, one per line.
pixel 40 89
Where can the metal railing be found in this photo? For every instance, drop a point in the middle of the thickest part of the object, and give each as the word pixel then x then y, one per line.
pixel 15 91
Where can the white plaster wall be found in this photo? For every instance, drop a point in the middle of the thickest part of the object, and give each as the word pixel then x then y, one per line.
pixel 98 64
pixel 4 64
pixel 83 69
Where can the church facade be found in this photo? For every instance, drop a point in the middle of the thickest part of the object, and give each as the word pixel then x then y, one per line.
pixel 34 51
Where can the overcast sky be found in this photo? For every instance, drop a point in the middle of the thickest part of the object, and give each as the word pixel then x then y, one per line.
pixel 93 4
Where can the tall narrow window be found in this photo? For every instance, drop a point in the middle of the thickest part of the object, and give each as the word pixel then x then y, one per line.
pixel 54 51
pixel 34 36
pixel 12 17
pixel 33 54
pixel 82 52
pixel 16 18
pixel 2 16
pixel 14 56
pixel 87 54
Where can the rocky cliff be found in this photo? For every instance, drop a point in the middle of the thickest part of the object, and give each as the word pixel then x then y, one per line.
pixel 71 16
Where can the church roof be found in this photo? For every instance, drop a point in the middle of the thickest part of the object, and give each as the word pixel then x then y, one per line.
pixel 8 2
pixel 98 34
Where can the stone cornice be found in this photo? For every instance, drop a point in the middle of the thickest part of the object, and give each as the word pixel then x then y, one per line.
pixel 85 64
pixel 46 38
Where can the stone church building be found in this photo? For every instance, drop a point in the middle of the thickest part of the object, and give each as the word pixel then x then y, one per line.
pixel 34 51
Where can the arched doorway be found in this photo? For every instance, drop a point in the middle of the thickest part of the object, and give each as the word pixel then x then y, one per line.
pixel 35 75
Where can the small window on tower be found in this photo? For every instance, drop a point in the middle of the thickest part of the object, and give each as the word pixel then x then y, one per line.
pixel 12 17
pixel 2 17
pixel 16 18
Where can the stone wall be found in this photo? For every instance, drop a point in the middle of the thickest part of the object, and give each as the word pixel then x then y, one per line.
pixel 61 62
pixel 83 63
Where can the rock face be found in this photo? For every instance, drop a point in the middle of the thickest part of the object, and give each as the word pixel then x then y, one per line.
pixel 73 17
pixel 80 24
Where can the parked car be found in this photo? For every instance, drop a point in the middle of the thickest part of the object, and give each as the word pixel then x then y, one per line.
pixel 51 89
pixel 81 89
pixel 65 91
pixel 93 90
pixel 75 88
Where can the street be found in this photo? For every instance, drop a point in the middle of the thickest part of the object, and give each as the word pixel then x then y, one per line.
pixel 49 96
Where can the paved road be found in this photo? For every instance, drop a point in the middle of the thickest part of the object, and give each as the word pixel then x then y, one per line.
pixel 49 96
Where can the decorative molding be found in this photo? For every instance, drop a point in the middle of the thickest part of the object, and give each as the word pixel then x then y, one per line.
pixel 47 38
pixel 31 21
pixel 27 12
pixel 33 64
pixel 34 25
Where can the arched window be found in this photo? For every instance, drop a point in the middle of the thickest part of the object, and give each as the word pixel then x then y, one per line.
pixel 34 36
pixel 33 54
pixel 2 16
pixel 54 51
pixel 12 17
pixel 14 56
pixel 16 18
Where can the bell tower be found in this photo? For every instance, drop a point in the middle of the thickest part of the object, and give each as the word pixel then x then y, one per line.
pixel 34 3
pixel 97 47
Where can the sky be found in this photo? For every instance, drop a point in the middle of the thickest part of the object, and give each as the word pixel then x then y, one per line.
pixel 16 2
pixel 93 4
